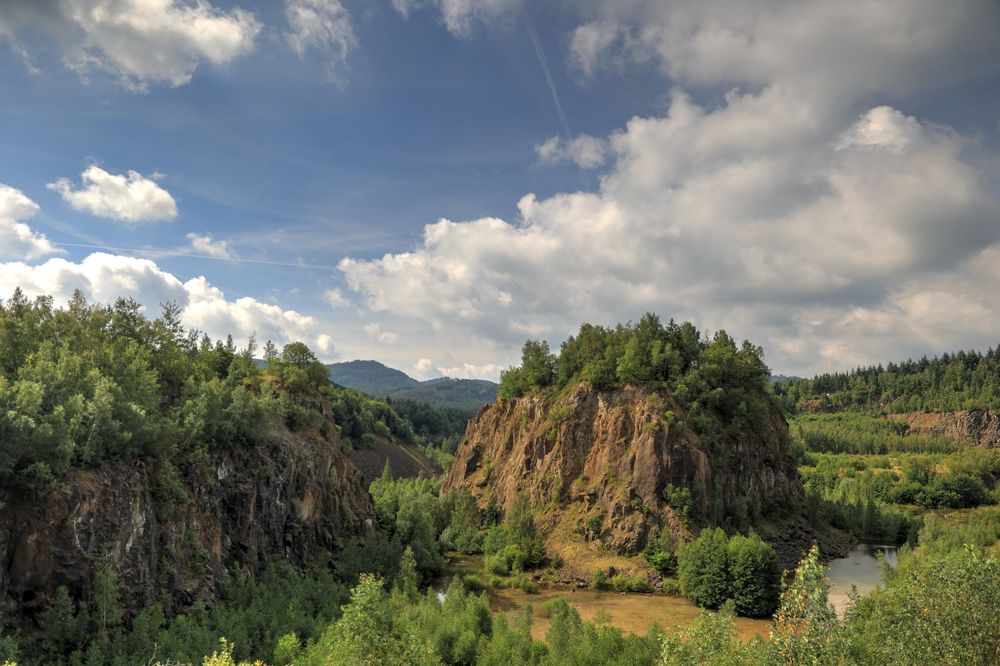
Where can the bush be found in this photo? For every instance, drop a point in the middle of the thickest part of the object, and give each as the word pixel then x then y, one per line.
pixel 670 586
pixel 703 568
pixel 678 499
pixel 754 575
pixel 659 552
pixel 624 583
pixel 599 581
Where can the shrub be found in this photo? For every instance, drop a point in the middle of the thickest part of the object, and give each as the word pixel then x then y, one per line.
pixel 703 568
pixel 599 581
pixel 624 583
pixel 755 576
pixel 670 586
pixel 678 499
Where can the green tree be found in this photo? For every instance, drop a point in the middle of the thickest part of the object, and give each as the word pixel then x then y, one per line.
pixel 937 607
pixel 755 576
pixel 366 634
pixel 703 568
pixel 805 629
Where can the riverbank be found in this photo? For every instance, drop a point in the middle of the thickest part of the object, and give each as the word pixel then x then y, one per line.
pixel 632 613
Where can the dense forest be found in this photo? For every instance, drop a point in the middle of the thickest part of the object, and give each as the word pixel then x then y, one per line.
pixel 91 384
pixel 963 380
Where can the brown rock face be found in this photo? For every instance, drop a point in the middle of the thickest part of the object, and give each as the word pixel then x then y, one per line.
pixel 289 497
pixel 978 427
pixel 612 454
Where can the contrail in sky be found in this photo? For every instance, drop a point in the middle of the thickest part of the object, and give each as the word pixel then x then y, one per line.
pixel 180 253
pixel 533 34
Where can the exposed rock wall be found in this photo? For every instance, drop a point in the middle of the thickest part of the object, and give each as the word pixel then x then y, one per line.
pixel 289 497
pixel 611 454
pixel 978 427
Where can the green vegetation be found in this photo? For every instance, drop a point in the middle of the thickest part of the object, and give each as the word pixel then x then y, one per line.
pixel 90 384
pixel 370 377
pixel 965 380
pixel 865 494
pixel 939 605
pixel 850 432
pixel 714 569
pixel 514 546
pixel 721 386
pixel 465 395
pixel 253 615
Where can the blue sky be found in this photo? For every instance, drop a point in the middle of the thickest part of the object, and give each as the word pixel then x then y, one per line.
pixel 821 179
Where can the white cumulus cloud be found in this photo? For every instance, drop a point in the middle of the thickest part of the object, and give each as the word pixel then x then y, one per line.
pixel 130 198
pixel 459 16
pixel 207 245
pixel 138 42
pixel 336 299
pixel 103 277
pixel 585 151
pixel 744 216
pixel 375 332
pixel 17 240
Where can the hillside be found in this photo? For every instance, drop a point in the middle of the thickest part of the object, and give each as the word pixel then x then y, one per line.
pixel 370 377
pixel 620 461
pixel 131 446
pixel 467 395
pixel 381 381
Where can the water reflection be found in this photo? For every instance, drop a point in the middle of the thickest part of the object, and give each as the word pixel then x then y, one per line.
pixel 860 568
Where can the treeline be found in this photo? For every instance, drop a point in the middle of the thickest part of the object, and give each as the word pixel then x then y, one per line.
pixel 720 385
pixel 965 380
pixel 89 384
pixel 852 432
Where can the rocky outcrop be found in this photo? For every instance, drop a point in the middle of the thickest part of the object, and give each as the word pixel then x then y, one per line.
pixel 604 459
pixel 977 427
pixel 291 496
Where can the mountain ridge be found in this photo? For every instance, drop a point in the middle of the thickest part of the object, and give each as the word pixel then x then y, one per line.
pixel 381 381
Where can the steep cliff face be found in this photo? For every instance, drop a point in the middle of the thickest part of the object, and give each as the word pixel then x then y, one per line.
pixel 608 456
pixel 288 497
pixel 978 427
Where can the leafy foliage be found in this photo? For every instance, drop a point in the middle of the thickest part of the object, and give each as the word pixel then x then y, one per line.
pixel 964 380
pixel 703 568
pixel 91 384
pixel 721 386
pixel 713 569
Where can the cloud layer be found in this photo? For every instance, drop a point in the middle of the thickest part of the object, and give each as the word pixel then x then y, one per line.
pixel 129 198
pixel 832 230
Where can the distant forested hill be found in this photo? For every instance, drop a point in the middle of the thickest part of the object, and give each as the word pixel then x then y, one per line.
pixel 381 381
pixel 963 380
pixel 370 377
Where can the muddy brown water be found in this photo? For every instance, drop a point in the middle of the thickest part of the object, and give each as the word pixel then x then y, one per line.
pixel 632 613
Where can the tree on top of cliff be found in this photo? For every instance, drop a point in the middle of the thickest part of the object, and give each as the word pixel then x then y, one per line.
pixel 90 384
pixel 711 376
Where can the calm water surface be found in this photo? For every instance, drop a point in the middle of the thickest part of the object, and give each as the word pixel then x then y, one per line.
pixel 860 569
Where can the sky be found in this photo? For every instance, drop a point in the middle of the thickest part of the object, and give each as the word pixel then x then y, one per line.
pixel 429 183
